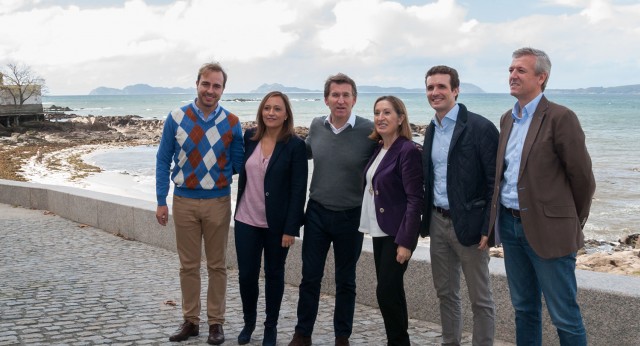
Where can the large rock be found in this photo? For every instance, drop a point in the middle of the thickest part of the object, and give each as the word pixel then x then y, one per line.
pixel 631 240
pixel 620 262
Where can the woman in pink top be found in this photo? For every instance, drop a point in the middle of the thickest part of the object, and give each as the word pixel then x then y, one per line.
pixel 269 210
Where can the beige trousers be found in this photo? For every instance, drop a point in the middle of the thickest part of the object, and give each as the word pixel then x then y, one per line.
pixel 195 220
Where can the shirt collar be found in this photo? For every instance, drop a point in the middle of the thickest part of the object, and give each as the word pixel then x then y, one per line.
pixel 201 113
pixel 351 121
pixel 528 110
pixel 451 116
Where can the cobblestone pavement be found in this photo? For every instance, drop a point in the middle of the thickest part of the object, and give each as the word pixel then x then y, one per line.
pixel 64 283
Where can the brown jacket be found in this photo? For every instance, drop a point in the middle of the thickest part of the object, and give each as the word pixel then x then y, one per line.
pixel 555 183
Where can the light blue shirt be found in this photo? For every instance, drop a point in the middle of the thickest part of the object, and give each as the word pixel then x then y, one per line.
pixel 513 154
pixel 200 113
pixel 440 154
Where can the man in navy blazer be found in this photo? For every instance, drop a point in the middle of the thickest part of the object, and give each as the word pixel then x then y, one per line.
pixel 459 158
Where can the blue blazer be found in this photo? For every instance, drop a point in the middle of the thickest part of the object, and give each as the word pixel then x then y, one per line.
pixel 285 183
pixel 398 194
pixel 471 168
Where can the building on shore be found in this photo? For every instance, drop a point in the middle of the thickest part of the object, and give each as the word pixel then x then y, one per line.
pixel 12 111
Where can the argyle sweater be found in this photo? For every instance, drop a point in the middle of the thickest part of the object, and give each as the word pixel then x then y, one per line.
pixel 205 154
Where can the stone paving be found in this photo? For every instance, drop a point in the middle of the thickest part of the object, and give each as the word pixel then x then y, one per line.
pixel 64 283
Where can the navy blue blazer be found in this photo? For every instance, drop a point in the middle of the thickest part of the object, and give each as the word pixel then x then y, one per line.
pixel 285 183
pixel 398 194
pixel 471 168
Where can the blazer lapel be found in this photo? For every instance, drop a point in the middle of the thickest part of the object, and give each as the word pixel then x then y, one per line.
pixel 534 128
pixel 274 156
pixel 391 155
pixel 250 147
pixel 428 141
pixel 461 124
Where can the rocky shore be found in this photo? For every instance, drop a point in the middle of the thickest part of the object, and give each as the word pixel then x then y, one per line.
pixel 79 134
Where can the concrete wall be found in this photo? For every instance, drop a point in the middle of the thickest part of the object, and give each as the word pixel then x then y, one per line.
pixel 610 303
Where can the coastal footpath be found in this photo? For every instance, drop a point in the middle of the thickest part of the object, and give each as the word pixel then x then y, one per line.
pixel 610 303
pixel 72 284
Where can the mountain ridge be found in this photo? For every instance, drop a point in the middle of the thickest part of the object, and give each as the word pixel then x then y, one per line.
pixel 141 89
pixel 264 88
pixel 145 89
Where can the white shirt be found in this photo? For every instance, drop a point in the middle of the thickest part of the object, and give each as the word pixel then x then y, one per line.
pixel 368 218
pixel 350 122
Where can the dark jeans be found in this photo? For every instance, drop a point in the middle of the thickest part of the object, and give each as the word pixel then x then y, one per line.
pixel 250 243
pixel 322 228
pixel 390 290
pixel 530 277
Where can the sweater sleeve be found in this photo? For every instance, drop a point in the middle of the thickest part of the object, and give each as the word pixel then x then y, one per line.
pixel 163 160
pixel 237 148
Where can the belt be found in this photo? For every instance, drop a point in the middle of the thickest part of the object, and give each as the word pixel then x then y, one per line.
pixel 442 211
pixel 514 212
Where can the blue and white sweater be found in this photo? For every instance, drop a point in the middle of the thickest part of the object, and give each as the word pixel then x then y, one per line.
pixel 205 154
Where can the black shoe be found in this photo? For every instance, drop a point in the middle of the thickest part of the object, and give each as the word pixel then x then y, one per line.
pixel 300 340
pixel 342 341
pixel 216 335
pixel 187 329
pixel 245 335
pixel 270 336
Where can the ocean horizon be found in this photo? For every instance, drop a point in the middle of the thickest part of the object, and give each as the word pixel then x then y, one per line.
pixel 610 122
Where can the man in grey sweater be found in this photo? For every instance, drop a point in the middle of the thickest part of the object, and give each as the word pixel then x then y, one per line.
pixel 340 149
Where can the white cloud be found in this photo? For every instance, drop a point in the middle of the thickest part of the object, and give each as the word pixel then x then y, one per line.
pixel 299 43
pixel 598 11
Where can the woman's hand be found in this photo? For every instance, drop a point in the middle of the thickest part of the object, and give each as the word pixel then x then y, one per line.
pixel 288 240
pixel 403 254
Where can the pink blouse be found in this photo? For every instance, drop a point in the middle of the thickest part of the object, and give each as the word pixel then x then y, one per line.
pixel 251 209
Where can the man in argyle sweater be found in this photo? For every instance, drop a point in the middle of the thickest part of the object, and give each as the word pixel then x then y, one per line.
pixel 204 142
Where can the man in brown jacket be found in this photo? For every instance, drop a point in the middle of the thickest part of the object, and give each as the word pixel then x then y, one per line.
pixel 542 195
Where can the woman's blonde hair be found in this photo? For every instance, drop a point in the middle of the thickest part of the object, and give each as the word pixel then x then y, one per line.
pixel 398 106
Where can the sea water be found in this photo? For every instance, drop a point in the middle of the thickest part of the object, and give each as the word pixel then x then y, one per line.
pixel 611 124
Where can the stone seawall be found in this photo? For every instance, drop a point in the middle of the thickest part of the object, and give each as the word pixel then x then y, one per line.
pixel 610 303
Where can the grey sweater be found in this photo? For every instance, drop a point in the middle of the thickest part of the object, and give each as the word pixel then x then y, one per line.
pixel 338 163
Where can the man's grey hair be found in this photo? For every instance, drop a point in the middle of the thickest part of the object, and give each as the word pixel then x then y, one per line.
pixel 543 64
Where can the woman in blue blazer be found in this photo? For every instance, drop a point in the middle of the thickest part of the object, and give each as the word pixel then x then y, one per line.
pixel 391 209
pixel 269 210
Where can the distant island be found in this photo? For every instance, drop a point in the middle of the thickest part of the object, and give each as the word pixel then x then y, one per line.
pixel 621 90
pixel 265 88
pixel 141 89
pixel 145 89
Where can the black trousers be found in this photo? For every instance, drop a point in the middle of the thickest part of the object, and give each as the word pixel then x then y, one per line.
pixel 390 290
pixel 251 242
pixel 324 227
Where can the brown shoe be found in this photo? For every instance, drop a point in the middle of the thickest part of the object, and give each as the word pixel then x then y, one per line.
pixel 342 341
pixel 187 329
pixel 216 335
pixel 300 340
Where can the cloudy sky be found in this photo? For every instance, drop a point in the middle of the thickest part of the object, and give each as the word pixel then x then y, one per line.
pixel 77 46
